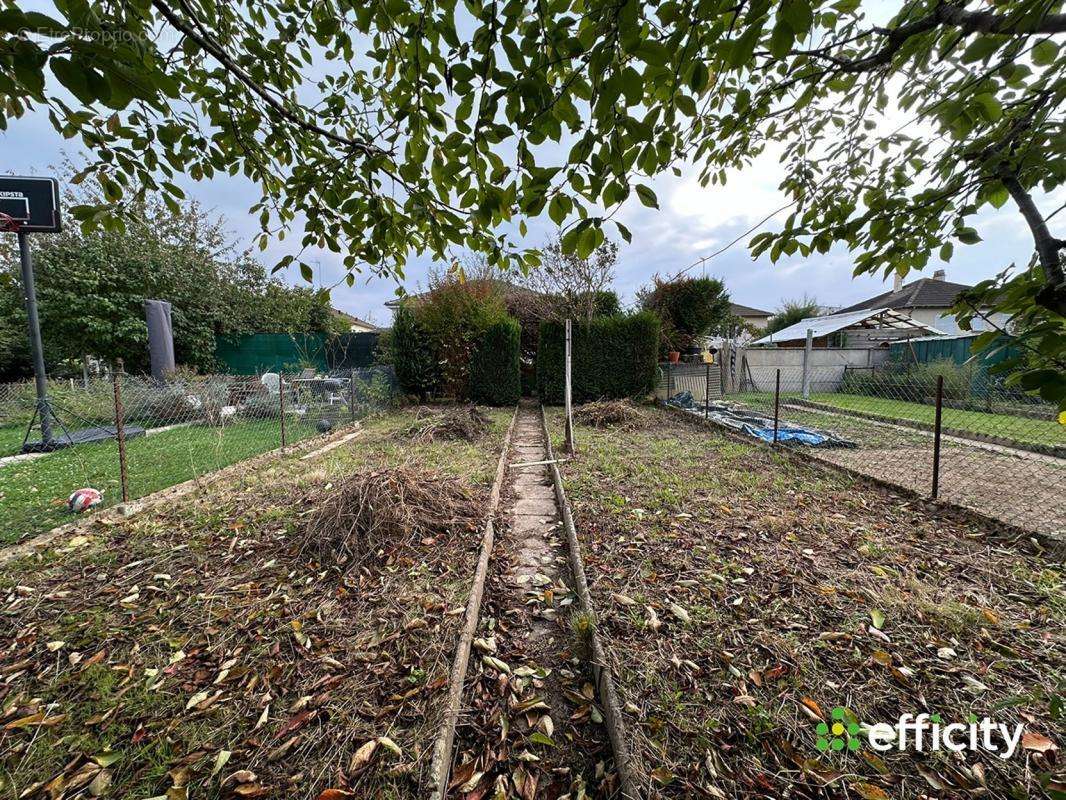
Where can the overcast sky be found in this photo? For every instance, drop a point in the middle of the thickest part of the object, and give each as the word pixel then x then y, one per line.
pixel 692 222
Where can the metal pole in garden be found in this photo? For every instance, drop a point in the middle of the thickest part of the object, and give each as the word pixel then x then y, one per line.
pixel 351 394
pixel 807 364
pixel 281 405
pixel 120 430
pixel 707 392
pixel 936 435
pixel 777 402
pixel 40 377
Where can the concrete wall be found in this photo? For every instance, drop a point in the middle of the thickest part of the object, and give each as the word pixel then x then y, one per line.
pixel 826 367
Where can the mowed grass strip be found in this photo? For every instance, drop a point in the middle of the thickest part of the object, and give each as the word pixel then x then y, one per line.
pixel 200 651
pixel 745 596
pixel 1005 426
pixel 33 493
pixel 11 436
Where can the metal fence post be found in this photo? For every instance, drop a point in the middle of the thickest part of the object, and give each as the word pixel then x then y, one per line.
pixel 777 402
pixel 707 393
pixel 936 435
pixel 281 405
pixel 120 430
pixel 669 381
pixel 807 348
pixel 351 394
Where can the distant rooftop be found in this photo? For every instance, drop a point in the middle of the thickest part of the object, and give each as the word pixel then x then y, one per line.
pixel 351 319
pixel 737 310
pixel 922 293
pixel 505 285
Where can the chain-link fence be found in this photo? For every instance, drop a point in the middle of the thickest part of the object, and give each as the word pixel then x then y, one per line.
pixel 129 436
pixel 941 430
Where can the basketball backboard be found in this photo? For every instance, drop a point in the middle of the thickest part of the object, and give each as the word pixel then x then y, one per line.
pixel 31 203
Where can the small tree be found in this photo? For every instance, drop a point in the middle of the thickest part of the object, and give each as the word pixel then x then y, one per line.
pixel 791 312
pixel 567 286
pixel 690 308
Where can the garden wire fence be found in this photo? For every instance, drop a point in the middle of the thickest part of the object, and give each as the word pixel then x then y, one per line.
pixel 943 431
pixel 128 436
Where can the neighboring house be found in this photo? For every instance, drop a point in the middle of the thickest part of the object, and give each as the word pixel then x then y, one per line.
pixel 928 300
pixel 755 317
pixel 354 324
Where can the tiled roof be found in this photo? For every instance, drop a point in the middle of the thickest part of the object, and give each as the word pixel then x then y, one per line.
pixel 922 293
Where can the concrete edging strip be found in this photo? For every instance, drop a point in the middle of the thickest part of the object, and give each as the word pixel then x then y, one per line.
pixel 441 765
pixel 601 670
pixel 965 437
pixel 149 501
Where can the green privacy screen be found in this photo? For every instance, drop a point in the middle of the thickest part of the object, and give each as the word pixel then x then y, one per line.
pixel 285 352
pixel 953 348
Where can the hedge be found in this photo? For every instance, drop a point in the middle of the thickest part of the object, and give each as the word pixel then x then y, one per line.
pixel 416 368
pixel 495 368
pixel 613 357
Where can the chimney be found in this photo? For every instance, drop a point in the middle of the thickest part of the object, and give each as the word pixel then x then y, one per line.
pixel 897 282
pixel 940 275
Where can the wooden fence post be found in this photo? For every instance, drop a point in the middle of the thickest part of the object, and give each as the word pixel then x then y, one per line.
pixel 120 430
pixel 936 435
pixel 777 402
pixel 281 405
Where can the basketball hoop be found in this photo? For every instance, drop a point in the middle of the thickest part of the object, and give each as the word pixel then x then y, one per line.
pixel 8 224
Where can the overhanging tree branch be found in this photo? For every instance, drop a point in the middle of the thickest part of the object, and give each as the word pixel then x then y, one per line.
pixel 943 15
pixel 215 49
pixel 1048 248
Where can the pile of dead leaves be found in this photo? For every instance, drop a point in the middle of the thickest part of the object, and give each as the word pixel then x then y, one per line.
pixel 612 414
pixel 466 424
pixel 384 510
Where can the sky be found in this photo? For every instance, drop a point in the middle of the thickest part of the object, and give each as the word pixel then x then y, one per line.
pixel 692 222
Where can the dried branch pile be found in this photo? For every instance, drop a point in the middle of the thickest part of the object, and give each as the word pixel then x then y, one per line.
pixel 383 510
pixel 611 414
pixel 466 424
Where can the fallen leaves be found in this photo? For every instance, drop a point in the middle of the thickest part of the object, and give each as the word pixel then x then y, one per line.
pixel 1038 743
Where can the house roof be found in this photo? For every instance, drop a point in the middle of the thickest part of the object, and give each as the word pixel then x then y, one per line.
pixel 737 310
pixel 506 286
pixel 922 293
pixel 878 318
pixel 351 319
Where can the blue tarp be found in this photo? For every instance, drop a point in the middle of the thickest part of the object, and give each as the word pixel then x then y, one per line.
pixel 746 421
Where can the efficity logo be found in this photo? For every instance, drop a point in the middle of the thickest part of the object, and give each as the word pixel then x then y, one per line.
pixel 920 733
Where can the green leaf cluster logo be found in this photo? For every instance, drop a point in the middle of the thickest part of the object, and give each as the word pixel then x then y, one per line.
pixel 839 735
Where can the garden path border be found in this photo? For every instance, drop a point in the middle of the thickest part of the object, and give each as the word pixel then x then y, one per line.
pixel 601 670
pixel 441 765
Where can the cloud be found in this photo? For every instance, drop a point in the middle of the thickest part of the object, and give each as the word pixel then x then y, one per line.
pixel 748 196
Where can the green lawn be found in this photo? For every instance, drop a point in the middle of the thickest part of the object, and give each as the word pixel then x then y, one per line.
pixel 33 493
pixel 1006 426
pixel 11 434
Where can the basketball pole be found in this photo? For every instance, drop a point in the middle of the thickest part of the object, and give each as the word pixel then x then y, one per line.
pixel 40 378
